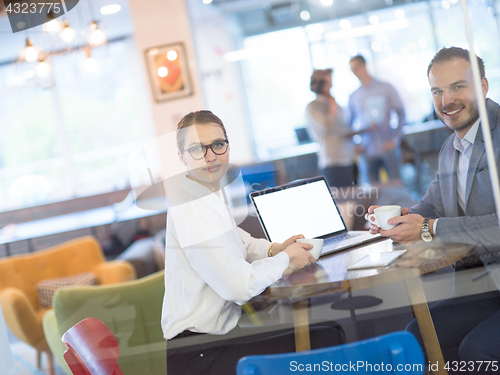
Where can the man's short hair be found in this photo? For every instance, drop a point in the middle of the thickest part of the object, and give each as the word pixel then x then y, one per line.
pixel 447 54
pixel 358 58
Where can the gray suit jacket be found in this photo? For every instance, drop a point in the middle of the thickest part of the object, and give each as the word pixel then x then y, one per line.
pixel 479 226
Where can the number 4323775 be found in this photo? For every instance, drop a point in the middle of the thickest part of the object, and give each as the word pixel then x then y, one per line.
pixel 15 7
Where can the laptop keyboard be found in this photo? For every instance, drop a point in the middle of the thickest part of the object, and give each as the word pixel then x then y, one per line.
pixel 336 239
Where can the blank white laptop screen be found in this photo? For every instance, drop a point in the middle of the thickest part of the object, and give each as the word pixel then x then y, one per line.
pixel 307 209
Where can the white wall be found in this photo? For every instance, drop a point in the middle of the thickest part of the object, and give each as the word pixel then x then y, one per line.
pixel 157 23
pixel 221 81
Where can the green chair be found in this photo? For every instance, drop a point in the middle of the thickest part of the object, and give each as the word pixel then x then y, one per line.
pixel 131 310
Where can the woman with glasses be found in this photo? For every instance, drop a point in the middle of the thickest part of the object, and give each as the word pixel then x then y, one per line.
pixel 212 267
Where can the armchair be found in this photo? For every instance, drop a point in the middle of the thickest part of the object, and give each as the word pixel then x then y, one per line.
pixel 19 275
pixel 132 312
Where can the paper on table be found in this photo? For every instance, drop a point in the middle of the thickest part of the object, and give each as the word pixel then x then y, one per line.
pixel 377 260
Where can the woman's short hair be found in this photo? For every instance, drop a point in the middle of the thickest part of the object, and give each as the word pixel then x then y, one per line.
pixel 321 73
pixel 317 79
pixel 196 118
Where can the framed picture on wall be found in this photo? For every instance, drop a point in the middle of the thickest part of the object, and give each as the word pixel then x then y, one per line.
pixel 169 72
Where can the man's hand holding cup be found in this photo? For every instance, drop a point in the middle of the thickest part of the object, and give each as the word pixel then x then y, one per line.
pixel 399 226
pixel 379 217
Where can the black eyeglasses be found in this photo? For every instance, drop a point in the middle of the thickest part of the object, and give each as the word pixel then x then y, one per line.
pixel 198 152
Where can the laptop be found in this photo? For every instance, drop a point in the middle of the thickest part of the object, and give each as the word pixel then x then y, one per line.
pixel 303 135
pixel 305 207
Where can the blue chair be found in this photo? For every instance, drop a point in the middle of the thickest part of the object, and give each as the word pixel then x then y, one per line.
pixel 398 353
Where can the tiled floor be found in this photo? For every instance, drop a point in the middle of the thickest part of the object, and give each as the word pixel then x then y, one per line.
pixel 25 359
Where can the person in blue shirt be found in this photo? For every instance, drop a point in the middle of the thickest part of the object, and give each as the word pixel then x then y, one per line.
pixel 371 106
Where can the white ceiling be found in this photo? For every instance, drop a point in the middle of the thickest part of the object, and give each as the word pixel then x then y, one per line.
pixel 115 25
pixel 267 14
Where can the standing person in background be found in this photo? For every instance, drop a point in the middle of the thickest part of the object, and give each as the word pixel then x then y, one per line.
pixel 326 122
pixel 371 105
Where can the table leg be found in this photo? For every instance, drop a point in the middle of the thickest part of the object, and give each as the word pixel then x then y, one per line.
pixel 301 325
pixel 424 320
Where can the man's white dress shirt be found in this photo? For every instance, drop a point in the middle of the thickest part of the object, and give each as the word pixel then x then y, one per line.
pixel 211 266
pixel 464 146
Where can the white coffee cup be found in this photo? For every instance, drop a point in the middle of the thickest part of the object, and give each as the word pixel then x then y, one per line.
pixel 317 246
pixel 382 214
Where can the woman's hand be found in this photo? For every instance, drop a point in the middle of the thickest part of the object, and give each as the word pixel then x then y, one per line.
pixel 299 256
pixel 278 247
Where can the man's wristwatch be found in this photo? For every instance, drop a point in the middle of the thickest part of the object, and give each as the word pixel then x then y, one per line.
pixel 425 234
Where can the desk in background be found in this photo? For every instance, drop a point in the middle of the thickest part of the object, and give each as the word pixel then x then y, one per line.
pixel 422 144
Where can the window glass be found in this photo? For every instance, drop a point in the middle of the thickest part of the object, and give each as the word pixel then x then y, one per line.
pixel 30 159
pixel 71 139
pixel 401 51
pixel 395 41
pixel 484 28
pixel 277 84
pixel 101 116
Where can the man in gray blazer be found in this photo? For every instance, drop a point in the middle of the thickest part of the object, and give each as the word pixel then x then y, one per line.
pixel 459 207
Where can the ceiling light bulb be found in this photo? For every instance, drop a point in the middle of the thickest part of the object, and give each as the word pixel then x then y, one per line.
pixel 162 71
pixel 52 27
pixel 97 37
pixel 207 1
pixel 90 64
pixel 374 20
pixel 305 15
pixel 327 2
pixel 171 55
pixel 67 34
pixel 30 52
pixel 110 9
pixel 42 69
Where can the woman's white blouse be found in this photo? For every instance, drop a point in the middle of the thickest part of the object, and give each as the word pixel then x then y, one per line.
pixel 211 266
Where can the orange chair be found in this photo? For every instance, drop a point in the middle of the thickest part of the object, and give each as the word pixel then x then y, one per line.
pixel 19 275
pixel 92 349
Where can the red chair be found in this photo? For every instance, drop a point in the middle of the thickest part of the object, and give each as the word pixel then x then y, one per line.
pixel 92 349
